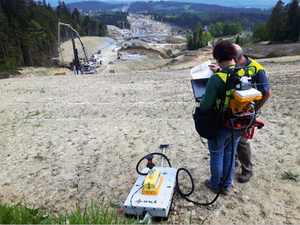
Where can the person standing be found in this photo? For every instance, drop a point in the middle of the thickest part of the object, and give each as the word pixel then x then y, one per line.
pixel 221 147
pixel 243 152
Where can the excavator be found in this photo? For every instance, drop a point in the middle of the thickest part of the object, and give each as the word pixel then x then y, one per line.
pixel 84 68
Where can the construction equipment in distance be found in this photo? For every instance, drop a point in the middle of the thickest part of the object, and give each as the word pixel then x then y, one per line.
pixel 142 12
pixel 84 66
pixel 123 24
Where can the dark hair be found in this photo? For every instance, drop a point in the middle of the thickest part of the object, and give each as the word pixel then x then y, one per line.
pixel 224 51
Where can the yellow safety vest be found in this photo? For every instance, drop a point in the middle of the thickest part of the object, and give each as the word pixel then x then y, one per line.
pixel 228 94
pixel 258 66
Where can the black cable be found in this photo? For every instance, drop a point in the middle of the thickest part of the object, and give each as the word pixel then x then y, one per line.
pixel 177 184
pixel 209 203
pixel 232 141
pixel 133 195
pixel 154 153
pixel 191 178
pixel 184 195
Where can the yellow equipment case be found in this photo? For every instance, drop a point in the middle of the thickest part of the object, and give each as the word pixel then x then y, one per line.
pixel 241 99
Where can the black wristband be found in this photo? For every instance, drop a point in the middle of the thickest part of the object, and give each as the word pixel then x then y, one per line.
pixel 218 70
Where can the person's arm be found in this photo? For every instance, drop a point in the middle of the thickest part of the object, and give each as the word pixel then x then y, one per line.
pixel 262 101
pixel 264 87
pixel 208 99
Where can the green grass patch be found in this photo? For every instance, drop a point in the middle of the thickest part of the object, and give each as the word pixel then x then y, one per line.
pixel 290 176
pixel 102 214
pixel 21 214
pixel 4 68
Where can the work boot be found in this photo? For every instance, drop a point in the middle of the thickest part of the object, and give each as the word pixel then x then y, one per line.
pixel 225 191
pixel 245 177
pixel 210 186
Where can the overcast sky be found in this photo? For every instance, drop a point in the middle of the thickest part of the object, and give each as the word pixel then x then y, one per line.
pixel 249 3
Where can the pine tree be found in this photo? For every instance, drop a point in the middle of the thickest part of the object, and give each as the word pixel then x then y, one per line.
pixel 238 27
pixel 4 39
pixel 275 24
pixel 260 33
pixel 195 40
pixel 293 23
pixel 237 41
pixel 190 45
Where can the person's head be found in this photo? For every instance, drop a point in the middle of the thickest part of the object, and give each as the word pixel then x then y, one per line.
pixel 224 51
pixel 239 54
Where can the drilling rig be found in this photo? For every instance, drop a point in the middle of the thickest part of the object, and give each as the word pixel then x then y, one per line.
pixel 85 67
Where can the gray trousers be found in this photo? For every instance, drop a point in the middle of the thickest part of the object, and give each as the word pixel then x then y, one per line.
pixel 243 153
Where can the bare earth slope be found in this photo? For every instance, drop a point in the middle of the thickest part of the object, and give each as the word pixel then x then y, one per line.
pixel 67 140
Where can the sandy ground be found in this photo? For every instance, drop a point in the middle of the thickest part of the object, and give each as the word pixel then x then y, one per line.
pixel 67 140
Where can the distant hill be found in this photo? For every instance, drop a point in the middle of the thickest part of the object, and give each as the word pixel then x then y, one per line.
pixel 185 7
pixel 236 3
pixel 229 3
pixel 168 7
pixel 96 6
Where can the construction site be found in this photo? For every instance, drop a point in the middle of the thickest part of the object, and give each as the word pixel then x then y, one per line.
pixel 147 45
pixel 71 138
pixel 124 50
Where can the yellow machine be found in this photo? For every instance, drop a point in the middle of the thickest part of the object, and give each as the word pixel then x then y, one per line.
pixel 153 191
pixel 242 99
pixel 152 183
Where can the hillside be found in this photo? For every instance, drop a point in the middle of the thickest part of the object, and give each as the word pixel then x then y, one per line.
pixel 168 7
pixel 96 6
pixel 145 56
pixel 68 140
pixel 196 8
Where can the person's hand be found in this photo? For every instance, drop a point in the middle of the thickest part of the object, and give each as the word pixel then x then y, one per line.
pixel 213 68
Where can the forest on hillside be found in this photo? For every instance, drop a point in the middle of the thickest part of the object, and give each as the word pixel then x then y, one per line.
pixel 96 6
pixel 189 20
pixel 29 31
pixel 283 25
pixel 164 7
pixel 113 19
pixel 182 14
pixel 169 7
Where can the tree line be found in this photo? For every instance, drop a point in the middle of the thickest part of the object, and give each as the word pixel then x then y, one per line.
pixel 115 19
pixel 29 31
pixel 199 38
pixel 284 23
pixel 224 29
pixel 170 7
pixel 189 20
